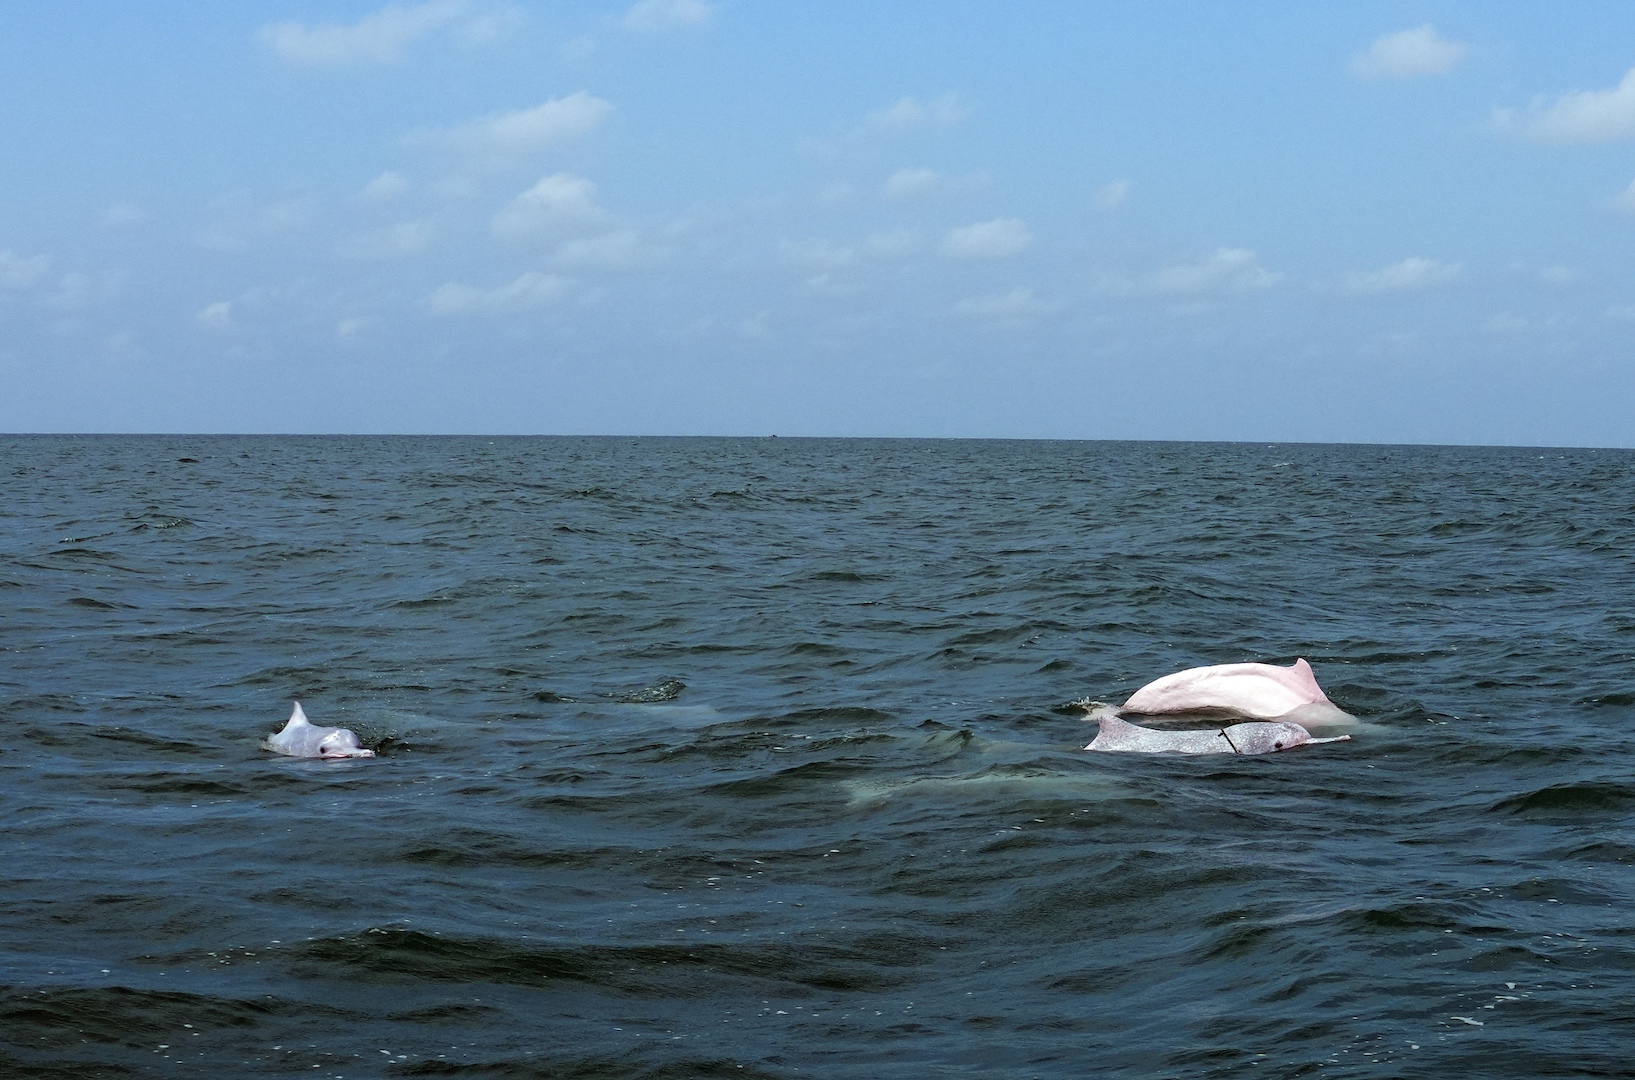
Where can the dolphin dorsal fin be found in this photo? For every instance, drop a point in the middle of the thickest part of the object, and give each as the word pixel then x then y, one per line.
pixel 1308 679
pixel 1112 722
pixel 297 717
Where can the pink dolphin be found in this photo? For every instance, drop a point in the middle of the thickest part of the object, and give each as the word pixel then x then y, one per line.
pixel 1260 691
pixel 302 739
pixel 1120 736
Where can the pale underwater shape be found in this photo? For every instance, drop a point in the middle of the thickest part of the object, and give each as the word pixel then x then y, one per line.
pixel 1256 737
pixel 1262 691
pixel 302 739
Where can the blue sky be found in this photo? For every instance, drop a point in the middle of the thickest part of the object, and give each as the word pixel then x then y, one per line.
pixel 1371 222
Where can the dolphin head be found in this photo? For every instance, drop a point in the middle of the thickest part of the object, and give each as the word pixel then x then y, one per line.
pixel 340 743
pixel 1271 736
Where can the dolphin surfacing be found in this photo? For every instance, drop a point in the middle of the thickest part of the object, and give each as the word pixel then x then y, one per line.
pixel 1256 737
pixel 305 740
pixel 1256 691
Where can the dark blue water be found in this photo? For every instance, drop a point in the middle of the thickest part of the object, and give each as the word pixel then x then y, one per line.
pixel 754 758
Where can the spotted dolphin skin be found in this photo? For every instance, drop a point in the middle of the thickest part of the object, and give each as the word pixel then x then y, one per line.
pixel 302 739
pixel 1260 737
pixel 1255 691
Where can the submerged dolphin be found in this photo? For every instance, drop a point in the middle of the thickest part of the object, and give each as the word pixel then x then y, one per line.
pixel 301 739
pixel 1121 736
pixel 1259 691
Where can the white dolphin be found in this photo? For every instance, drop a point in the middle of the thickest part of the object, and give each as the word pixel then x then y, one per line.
pixel 1257 691
pixel 1261 737
pixel 301 739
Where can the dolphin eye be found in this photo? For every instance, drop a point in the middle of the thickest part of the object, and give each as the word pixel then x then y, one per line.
pixel 1277 746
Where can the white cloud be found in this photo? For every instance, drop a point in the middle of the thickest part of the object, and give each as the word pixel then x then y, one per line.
pixel 1114 194
pixel 997 239
pixel 1017 304
pixel 19 272
pixel 1409 54
pixel 123 215
pixel 1624 201
pixel 283 216
pixel 393 242
pixel 1560 277
pixel 1621 312
pixel 908 182
pixel 531 290
pixel 375 39
pixel 817 254
pixel 905 113
pixel 1410 274
pixel 895 244
pixel 215 316
pixel 525 131
pixel 900 116
pixel 77 291
pixel 388 185
pixel 1227 270
pixel 351 327
pixel 1223 271
pixel 1588 116
pixel 653 15
pixel 561 206
pixel 1506 323
pixel 619 249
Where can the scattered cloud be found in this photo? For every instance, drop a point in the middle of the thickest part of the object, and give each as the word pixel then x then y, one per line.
pixel 1620 312
pixel 1114 194
pixel 215 316
pixel 1508 323
pixel 388 185
pixel 906 113
pixel 1560 277
pixel 561 212
pixel 351 327
pixel 1409 54
pixel 1223 271
pixel 380 38
pixel 894 244
pixel 908 183
pixel 1624 201
pixel 656 15
pixel 1409 275
pixel 77 291
pixel 560 207
pixel 19 272
pixel 1000 238
pixel 618 249
pixel 123 216
pixel 531 290
pixel 817 254
pixel 525 131
pixel 397 241
pixel 901 116
pixel 905 183
pixel 285 215
pixel 1587 116
pixel 1019 303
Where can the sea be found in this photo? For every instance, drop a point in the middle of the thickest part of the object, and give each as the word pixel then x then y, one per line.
pixel 761 758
